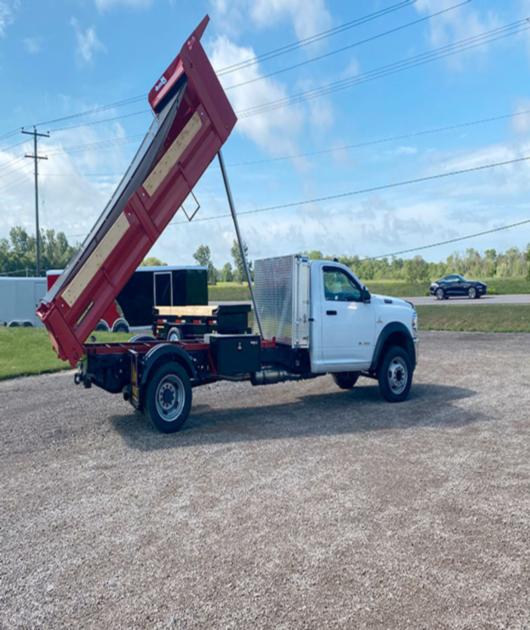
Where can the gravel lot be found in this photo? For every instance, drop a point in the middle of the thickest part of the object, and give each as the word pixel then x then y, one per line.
pixel 289 506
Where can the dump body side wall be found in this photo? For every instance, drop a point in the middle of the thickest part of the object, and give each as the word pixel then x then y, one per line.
pixel 201 126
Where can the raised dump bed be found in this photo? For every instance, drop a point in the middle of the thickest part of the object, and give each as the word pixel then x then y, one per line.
pixel 192 120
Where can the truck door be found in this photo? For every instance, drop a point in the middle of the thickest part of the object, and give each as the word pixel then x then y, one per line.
pixel 347 324
pixel 162 288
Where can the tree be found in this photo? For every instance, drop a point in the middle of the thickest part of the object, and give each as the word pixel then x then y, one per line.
pixel 227 275
pixel 203 257
pixel 18 253
pixel 417 270
pixel 152 261
pixel 239 264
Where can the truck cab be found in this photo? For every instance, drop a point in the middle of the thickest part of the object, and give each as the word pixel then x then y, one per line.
pixel 322 310
pixel 347 321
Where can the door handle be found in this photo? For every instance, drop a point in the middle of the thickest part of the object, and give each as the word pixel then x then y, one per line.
pixel 331 312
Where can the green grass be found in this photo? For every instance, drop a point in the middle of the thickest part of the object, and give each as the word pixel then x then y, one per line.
pixel 234 291
pixel 475 318
pixel 25 351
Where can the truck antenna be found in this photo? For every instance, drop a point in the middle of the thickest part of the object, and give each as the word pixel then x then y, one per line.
pixel 239 240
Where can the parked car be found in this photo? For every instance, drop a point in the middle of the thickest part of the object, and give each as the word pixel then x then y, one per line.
pixel 455 285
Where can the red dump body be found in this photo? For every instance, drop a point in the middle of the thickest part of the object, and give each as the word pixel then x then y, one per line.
pixel 193 119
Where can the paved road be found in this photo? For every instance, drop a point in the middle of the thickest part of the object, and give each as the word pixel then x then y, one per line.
pixel 487 299
pixel 295 505
pixel 426 300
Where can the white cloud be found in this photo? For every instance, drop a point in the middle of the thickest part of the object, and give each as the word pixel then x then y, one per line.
pixel 105 5
pixel 33 45
pixel 88 43
pixel 459 23
pixel 308 16
pixel 74 187
pixel 7 14
pixel 276 132
pixel 521 122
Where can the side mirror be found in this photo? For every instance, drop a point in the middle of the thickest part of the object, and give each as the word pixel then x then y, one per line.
pixel 365 295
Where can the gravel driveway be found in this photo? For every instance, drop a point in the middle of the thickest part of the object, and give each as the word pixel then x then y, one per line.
pixel 288 506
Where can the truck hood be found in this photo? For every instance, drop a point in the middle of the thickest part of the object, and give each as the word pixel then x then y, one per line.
pixel 388 301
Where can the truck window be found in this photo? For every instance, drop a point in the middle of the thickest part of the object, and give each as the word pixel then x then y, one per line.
pixel 339 286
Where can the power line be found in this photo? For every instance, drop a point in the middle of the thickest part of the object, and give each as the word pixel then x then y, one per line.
pixel 228 69
pixel 349 46
pixel 376 141
pixel 371 189
pixel 251 61
pixel 442 52
pixel 451 240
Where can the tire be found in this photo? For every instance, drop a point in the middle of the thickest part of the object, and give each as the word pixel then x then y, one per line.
pixel 345 380
pixel 26 324
pixel 13 324
pixel 102 326
pixel 174 334
pixel 120 326
pixel 168 397
pixel 472 293
pixel 440 294
pixel 395 374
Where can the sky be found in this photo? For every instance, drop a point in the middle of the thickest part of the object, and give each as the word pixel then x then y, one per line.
pixel 60 58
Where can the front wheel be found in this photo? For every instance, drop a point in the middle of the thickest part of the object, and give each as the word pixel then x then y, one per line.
pixel 472 293
pixel 440 294
pixel 168 397
pixel 346 380
pixel 395 375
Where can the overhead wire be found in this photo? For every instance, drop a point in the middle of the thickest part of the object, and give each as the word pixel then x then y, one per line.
pixel 370 189
pixel 356 44
pixel 451 240
pixel 224 70
pixel 442 52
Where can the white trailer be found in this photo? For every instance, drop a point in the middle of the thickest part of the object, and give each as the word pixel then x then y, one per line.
pixel 19 297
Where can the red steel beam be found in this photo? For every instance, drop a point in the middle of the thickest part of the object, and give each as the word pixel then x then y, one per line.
pixel 203 121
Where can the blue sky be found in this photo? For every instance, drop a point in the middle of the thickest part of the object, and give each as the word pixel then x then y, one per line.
pixel 59 58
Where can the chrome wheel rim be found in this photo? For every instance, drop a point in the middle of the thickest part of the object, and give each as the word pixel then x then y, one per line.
pixel 439 294
pixel 472 293
pixel 170 398
pixel 174 336
pixel 398 375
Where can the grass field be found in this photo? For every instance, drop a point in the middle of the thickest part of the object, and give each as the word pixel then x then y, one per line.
pixel 233 291
pixel 25 351
pixel 476 318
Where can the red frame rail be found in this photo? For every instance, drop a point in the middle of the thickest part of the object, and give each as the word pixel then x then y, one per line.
pixel 201 125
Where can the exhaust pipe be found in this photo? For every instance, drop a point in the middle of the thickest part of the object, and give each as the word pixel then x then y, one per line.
pixel 270 376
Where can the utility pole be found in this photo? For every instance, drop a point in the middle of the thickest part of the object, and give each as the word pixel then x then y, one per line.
pixel 36 157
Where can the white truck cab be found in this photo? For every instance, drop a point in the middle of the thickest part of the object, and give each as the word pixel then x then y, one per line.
pixel 321 306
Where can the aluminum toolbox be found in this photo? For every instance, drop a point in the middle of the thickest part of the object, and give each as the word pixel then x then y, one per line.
pixel 281 287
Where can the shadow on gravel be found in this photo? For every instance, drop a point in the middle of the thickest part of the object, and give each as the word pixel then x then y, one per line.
pixel 333 413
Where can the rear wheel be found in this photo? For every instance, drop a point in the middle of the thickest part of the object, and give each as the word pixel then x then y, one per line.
pixel 346 380
pixel 395 374
pixel 168 397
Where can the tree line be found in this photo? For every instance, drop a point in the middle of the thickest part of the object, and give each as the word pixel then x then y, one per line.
pixel 17 258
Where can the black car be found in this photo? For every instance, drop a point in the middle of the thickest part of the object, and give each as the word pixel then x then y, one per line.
pixel 455 285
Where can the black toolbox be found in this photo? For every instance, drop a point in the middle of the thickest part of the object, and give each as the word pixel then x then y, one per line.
pixel 232 319
pixel 236 354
